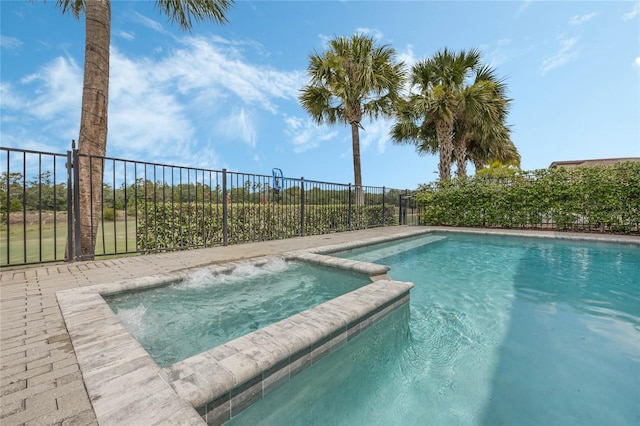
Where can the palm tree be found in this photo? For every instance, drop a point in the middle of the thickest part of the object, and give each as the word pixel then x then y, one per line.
pixel 354 78
pixel 92 140
pixel 482 148
pixel 481 115
pixel 457 101
pixel 439 81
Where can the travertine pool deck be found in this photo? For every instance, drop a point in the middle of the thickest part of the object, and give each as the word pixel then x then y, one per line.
pixel 40 380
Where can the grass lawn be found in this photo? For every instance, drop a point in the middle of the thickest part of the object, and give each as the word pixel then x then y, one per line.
pixel 48 243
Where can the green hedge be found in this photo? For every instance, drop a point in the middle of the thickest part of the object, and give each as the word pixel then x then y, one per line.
pixel 595 198
pixel 165 225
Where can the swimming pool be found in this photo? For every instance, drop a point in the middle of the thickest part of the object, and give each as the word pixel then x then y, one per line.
pixel 207 309
pixel 500 330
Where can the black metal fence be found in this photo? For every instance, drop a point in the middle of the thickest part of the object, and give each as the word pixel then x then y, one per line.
pixel 150 207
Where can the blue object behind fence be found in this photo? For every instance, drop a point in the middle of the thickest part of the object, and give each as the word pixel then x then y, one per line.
pixel 278 179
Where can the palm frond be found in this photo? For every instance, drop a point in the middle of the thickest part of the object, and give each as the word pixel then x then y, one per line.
pixel 75 7
pixel 187 12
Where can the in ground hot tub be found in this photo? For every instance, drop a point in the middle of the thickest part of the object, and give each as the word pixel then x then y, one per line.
pixel 255 332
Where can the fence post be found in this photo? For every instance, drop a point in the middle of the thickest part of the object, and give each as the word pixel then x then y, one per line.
pixel 405 209
pixel 76 201
pixel 8 207
pixel 70 207
pixel 383 210
pixel 224 207
pixel 349 211
pixel 302 206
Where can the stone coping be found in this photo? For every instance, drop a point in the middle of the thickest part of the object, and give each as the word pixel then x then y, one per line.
pixel 126 385
pixel 224 380
pixel 536 233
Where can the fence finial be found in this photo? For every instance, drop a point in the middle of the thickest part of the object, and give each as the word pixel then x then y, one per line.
pixel 73 144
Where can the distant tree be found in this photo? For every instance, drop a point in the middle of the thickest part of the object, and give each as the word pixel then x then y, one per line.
pixel 11 194
pixel 353 79
pixel 92 140
pixel 42 194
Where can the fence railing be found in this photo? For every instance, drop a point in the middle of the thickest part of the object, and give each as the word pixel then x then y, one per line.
pixel 149 207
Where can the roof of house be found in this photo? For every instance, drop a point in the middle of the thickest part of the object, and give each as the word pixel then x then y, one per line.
pixel 593 162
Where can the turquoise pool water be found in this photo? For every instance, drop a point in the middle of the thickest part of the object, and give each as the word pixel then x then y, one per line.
pixel 177 321
pixel 500 331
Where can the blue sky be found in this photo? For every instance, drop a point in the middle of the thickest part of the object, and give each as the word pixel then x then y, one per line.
pixel 226 96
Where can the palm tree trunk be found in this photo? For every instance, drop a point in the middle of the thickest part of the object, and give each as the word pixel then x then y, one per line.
pixel 460 154
pixel 444 132
pixel 92 140
pixel 357 171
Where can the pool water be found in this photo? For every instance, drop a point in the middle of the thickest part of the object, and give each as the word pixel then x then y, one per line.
pixel 180 320
pixel 500 331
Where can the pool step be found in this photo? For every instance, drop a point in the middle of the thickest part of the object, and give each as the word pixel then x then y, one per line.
pixel 375 254
pixel 366 268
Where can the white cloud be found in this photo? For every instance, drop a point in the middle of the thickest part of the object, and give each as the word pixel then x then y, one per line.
pixel 144 116
pixel 27 141
pixel 238 126
pixel 407 56
pixel 206 69
pixel 371 32
pixel 325 40
pixel 504 50
pixel 9 99
pixel 581 19
pixel 10 42
pixel 157 104
pixel 305 134
pixel 637 61
pixel 148 22
pixel 56 91
pixel 376 133
pixel 125 35
pixel 205 157
pixel 524 6
pixel 632 13
pixel 566 54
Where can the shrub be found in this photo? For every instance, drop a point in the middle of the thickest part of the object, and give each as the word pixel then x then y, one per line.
pixel 108 213
pixel 166 225
pixel 595 198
